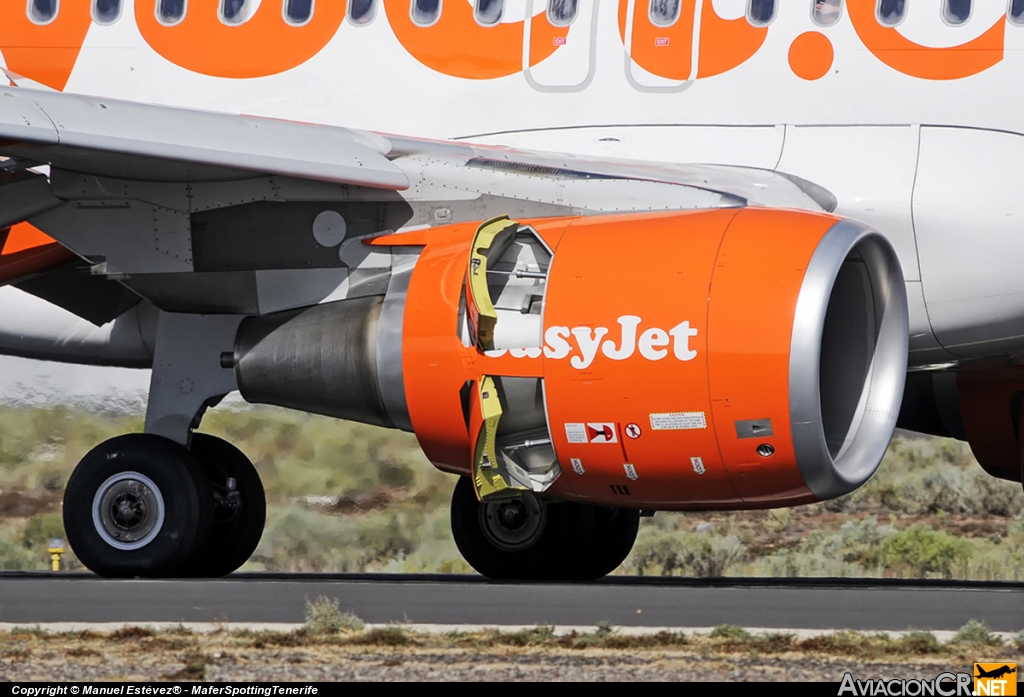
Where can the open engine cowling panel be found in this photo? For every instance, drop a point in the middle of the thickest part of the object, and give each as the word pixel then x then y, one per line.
pixel 710 359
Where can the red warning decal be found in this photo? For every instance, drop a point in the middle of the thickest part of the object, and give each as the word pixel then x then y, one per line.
pixel 602 433
pixel 592 433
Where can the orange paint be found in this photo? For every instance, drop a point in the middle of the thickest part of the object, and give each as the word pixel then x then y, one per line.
pixel 811 55
pixel 47 53
pixel 764 255
pixel 24 236
pixel 663 51
pixel 658 268
pixel 435 363
pixel 264 45
pixel 25 251
pixel 457 45
pixel 915 60
pixel 663 300
pixel 415 238
pixel 725 43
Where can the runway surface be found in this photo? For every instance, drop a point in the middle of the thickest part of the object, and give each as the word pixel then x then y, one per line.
pixel 441 599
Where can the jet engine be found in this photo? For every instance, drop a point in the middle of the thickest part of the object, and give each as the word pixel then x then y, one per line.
pixel 730 358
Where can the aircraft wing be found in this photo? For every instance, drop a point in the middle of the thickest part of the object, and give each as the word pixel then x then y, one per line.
pixel 157 143
pixel 201 212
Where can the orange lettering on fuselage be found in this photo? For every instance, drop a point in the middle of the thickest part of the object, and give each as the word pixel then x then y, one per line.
pixel 457 45
pixel 725 43
pixel 929 63
pixel 663 51
pixel 264 45
pixel 44 53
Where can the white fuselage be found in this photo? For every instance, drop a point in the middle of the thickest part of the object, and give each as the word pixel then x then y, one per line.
pixel 932 161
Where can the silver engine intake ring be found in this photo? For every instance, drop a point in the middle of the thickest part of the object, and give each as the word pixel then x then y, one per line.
pixel 848 359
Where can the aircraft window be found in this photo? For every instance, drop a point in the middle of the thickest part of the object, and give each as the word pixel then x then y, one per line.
pixel 562 13
pixel 298 12
pixel 488 12
pixel 760 12
pixel 106 11
pixel 170 11
pixel 663 13
pixel 1016 11
pixel 362 12
pixel 827 12
pixel 425 12
pixel 234 11
pixel 43 11
pixel 956 12
pixel 891 12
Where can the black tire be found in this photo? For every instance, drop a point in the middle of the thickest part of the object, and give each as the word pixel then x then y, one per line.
pixel 536 562
pixel 239 514
pixel 612 534
pixel 112 484
pixel 579 542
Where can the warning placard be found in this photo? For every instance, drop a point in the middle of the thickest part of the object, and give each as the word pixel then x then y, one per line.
pixel 592 433
pixel 602 433
pixel 678 421
pixel 576 433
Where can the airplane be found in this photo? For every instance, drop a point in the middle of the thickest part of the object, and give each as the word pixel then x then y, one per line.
pixel 602 257
pixel 994 673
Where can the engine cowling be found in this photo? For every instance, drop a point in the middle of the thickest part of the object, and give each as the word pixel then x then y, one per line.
pixel 733 358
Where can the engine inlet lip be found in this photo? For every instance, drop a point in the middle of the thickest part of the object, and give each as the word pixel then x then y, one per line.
pixel 825 476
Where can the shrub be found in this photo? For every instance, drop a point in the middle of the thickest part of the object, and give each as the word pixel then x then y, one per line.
pixel 323 616
pixel 919 642
pixel 918 551
pixel 977 634
pixel 671 553
pixel 731 632
pixel 14 557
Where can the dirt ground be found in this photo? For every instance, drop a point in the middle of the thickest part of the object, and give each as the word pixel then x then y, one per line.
pixel 137 654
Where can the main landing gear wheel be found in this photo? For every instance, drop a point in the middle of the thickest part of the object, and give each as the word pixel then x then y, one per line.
pixel 528 539
pixel 239 509
pixel 136 505
pixel 612 534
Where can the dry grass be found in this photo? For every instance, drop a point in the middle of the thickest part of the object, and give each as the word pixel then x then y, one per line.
pixel 351 498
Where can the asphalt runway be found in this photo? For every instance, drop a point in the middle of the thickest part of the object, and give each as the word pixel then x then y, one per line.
pixel 441 599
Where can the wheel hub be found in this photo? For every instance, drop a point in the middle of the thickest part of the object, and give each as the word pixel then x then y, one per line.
pixel 514 524
pixel 128 511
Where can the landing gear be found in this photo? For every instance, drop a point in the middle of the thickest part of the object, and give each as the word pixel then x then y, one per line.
pixel 136 505
pixel 142 505
pixel 529 539
pixel 239 508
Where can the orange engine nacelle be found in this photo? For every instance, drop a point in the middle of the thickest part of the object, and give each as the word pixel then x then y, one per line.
pixel 735 358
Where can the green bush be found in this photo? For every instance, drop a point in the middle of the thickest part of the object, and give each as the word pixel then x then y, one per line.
pixel 919 642
pixel 14 556
pixel 323 616
pixel 730 631
pixel 660 552
pixel 918 551
pixel 976 633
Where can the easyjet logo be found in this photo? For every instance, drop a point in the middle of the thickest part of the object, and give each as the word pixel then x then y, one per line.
pixel 581 345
